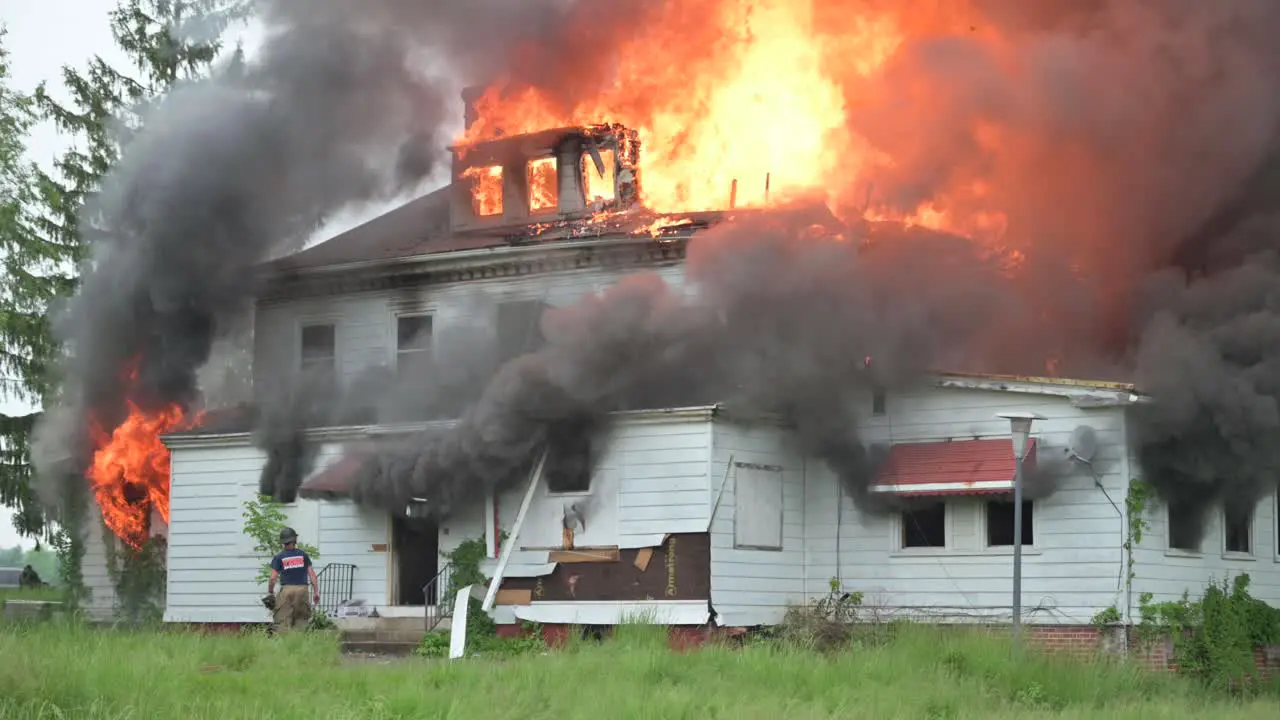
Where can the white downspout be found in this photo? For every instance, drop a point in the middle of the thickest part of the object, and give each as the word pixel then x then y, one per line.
pixel 534 478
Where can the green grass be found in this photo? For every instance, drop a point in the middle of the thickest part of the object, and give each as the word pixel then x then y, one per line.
pixel 7 594
pixel 62 670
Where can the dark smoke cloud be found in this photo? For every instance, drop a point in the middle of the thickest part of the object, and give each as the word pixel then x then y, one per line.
pixel 1132 145
pixel 338 108
pixel 771 318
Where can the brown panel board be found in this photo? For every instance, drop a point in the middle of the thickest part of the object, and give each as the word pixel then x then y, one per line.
pixel 679 569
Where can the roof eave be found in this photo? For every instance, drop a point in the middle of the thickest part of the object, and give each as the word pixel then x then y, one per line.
pixel 1081 393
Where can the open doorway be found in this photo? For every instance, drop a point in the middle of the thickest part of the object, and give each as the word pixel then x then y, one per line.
pixel 417 558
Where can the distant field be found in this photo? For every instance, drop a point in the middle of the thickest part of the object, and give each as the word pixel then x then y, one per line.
pixel 69 672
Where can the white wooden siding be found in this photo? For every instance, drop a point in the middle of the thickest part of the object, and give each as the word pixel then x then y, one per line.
pixel 365 322
pixel 100 604
pixel 1167 574
pixel 752 586
pixel 212 566
pixel 1073 570
pixel 652 478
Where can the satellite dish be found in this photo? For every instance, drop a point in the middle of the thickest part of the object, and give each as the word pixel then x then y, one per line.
pixel 1084 443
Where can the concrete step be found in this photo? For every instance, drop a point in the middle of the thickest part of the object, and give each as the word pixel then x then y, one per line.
pixel 379 648
pixel 407 636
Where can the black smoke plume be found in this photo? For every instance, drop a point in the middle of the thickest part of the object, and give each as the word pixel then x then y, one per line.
pixel 340 106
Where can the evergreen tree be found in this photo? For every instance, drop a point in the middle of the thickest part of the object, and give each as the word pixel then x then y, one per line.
pixel 20 323
pixel 167 41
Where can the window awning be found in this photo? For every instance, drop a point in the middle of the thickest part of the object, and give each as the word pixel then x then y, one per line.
pixel 963 467
pixel 337 480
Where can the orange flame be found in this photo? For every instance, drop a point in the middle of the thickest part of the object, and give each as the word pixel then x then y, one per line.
pixel 751 101
pixel 544 190
pixel 486 189
pixel 129 474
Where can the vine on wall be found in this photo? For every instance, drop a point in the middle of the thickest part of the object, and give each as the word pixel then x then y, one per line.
pixel 68 545
pixel 139 578
pixel 1135 508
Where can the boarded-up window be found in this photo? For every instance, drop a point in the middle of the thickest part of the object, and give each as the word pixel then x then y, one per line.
pixel 757 518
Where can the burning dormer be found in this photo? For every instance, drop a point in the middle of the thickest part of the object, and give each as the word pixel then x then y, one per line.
pixel 546 176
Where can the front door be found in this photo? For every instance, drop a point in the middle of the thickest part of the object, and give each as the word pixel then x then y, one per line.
pixel 417 558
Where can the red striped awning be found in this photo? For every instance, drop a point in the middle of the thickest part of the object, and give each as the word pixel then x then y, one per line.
pixel 337 480
pixel 962 467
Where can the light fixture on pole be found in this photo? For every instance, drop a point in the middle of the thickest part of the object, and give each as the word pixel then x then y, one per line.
pixel 1019 431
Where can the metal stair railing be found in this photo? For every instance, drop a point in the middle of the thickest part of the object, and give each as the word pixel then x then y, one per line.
pixel 337 585
pixel 435 597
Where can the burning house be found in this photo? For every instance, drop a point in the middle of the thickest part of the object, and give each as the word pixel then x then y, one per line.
pixel 699 358
pixel 693 513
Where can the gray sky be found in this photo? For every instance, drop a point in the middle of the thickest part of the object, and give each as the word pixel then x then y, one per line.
pixel 43 37
pixel 46 35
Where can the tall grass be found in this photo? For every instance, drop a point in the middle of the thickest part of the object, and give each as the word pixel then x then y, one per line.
pixel 63 670
pixel 45 593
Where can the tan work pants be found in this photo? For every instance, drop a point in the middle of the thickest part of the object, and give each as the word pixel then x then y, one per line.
pixel 293 607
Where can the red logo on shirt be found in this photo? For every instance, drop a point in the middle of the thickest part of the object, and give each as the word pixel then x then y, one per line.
pixel 293 562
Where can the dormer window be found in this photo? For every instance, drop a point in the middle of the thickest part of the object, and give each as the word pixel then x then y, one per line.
pixel 486 189
pixel 544 184
pixel 599 184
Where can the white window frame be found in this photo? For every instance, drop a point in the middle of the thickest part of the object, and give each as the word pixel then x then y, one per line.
pixel 776 475
pixel 1169 549
pixel 899 528
pixel 1253 536
pixel 1275 527
pixel 311 321
pixel 394 335
pixel 984 535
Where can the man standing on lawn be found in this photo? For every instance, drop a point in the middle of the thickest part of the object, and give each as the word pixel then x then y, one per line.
pixel 292 568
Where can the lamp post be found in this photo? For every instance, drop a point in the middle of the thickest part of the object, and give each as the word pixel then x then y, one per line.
pixel 1019 431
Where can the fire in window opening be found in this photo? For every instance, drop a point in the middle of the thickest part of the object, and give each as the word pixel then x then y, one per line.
pixel 486 189
pixel 544 184
pixel 599 183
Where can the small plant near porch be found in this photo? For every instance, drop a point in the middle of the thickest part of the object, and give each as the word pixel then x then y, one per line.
pixel 263 520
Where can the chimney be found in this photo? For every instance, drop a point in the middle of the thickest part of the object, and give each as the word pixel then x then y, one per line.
pixel 469 112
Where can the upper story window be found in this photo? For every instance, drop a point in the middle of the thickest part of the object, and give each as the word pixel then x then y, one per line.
pixel 519 328
pixel 1238 528
pixel 319 344
pixel 599 183
pixel 413 340
pixel 486 189
pixel 877 400
pixel 543 179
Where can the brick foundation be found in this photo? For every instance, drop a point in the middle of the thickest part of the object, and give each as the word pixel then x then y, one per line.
pixel 1077 641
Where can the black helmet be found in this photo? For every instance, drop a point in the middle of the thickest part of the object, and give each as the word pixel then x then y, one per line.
pixel 287 535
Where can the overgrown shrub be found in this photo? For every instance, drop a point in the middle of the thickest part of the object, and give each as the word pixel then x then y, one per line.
pixel 825 624
pixel 1214 637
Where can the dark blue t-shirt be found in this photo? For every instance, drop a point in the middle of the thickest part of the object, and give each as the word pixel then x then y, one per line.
pixel 292 566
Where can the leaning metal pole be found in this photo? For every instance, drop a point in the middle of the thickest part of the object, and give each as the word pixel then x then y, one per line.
pixel 1017 550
